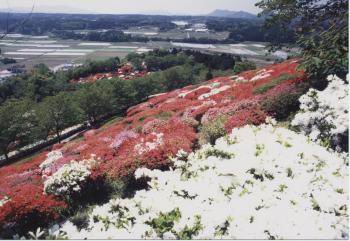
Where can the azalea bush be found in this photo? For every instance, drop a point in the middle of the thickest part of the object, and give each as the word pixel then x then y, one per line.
pixel 253 116
pixel 27 209
pixel 69 178
pixel 239 188
pixel 282 100
pixel 324 114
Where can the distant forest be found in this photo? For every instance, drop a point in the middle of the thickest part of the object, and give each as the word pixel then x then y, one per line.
pixel 65 26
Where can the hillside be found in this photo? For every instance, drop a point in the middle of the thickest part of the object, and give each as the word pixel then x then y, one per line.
pixel 232 14
pixel 161 133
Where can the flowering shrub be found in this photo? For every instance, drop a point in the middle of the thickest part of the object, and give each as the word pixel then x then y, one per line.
pixel 121 138
pixel 69 178
pixel 244 117
pixel 196 112
pixel 151 150
pixel 324 114
pixel 29 208
pixel 282 100
pixel 241 188
pixel 152 125
pixel 230 109
pixel 51 158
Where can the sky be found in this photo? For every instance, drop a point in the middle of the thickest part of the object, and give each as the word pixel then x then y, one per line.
pixel 189 7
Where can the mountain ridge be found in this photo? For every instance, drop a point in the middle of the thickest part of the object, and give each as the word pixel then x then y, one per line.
pixel 232 14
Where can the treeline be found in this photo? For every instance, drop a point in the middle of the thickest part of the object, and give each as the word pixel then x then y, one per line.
pixel 41 104
pixel 106 36
pixel 41 23
pixel 251 30
pixel 68 26
pixel 119 36
pixel 163 59
pixel 41 82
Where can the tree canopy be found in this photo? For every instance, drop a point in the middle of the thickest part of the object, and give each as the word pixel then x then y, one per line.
pixel 322 30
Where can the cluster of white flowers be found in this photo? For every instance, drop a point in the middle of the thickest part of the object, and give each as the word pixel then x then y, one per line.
pixel 69 178
pixel 51 157
pixel 324 114
pixel 53 233
pixel 4 200
pixel 262 74
pixel 257 183
pixel 184 94
pixel 144 147
pixel 214 91
pixel 239 79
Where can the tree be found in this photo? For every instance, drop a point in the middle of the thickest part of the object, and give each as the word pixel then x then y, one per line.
pixel 95 101
pixel 125 94
pixel 15 125
pixel 209 75
pixel 55 114
pixel 243 66
pixel 322 30
pixel 41 69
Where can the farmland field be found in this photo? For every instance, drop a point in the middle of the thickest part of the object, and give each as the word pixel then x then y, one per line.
pixel 32 50
pixel 175 34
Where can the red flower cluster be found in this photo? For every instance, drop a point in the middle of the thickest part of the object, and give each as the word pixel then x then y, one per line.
pixel 150 150
pixel 241 118
pixel 28 208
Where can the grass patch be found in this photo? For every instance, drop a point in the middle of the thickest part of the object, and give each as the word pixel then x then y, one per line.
pixel 164 115
pixel 223 73
pixel 265 87
pixel 111 122
pixel 209 132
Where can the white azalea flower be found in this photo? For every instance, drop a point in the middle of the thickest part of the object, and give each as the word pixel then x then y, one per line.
pixel 68 178
pixel 269 183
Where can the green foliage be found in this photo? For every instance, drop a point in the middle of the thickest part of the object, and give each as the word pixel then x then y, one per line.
pixel 211 131
pixel 164 59
pixel 93 67
pixel 243 66
pixel 155 62
pixel 36 85
pixel 327 53
pixel 218 153
pixel 16 120
pixel 165 222
pixel 55 114
pixel 281 106
pixel 95 101
pixel 265 87
pixel 81 219
pixel 223 229
pixel 189 232
pixel 41 69
pixel 322 32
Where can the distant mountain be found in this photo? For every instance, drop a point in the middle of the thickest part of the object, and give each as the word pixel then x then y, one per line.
pixel 232 14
